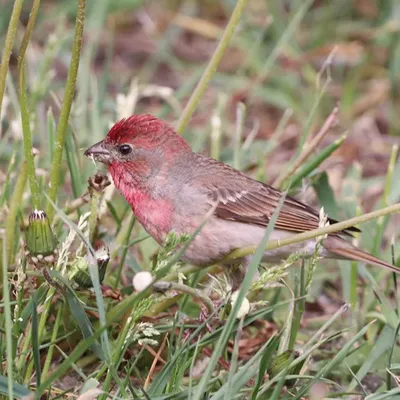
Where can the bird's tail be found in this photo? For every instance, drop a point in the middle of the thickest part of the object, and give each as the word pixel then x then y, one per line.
pixel 343 249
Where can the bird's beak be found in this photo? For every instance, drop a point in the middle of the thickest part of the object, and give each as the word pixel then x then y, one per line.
pixel 99 153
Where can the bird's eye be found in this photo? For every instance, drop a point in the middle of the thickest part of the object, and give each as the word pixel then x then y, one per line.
pixel 125 149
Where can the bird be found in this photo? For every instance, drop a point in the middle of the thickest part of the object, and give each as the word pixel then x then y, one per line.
pixel 170 188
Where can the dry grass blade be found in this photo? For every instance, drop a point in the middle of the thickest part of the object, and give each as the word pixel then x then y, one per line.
pixel 154 363
pixel 274 244
pixel 329 123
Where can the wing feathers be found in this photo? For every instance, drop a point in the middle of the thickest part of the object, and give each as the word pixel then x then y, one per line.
pixel 257 205
pixel 243 199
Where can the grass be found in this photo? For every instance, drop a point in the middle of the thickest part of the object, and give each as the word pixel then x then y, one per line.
pixel 315 328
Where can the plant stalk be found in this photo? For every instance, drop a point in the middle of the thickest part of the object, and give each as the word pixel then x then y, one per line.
pixel 49 355
pixel 15 203
pixel 66 109
pixel 8 46
pixel 274 244
pixel 25 118
pixel 179 287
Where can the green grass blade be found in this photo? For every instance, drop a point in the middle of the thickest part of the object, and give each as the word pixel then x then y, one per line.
pixel 8 46
pixel 382 222
pixel 79 313
pixel 389 362
pixel 25 112
pixel 35 340
pixel 264 364
pixel 73 165
pixel 6 184
pixel 311 117
pixel 316 161
pixel 51 128
pixel 15 204
pixel 276 394
pixel 283 41
pixel 62 368
pixel 8 323
pixel 94 275
pixel 381 346
pixel 256 365
pixel 66 108
pixel 335 360
pixel 325 194
pixel 390 395
pixel 17 390
pixel 161 380
pixel 27 311
pixel 229 393
pixel 225 334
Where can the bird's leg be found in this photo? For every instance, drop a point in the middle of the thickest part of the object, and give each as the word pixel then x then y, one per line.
pixel 236 272
pixel 203 317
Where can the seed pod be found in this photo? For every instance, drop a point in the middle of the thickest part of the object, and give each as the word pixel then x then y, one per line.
pixel 41 244
pixel 142 281
pixel 80 268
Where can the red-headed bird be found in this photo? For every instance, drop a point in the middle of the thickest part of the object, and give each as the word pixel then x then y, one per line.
pixel 170 189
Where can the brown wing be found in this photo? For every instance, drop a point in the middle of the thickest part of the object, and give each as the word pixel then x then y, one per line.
pixel 240 198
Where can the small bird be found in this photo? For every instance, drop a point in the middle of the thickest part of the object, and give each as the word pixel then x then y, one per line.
pixel 171 189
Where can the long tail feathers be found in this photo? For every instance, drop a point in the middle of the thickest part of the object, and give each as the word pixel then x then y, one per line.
pixel 353 253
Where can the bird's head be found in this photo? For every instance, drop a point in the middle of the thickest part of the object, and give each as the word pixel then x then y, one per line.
pixel 140 152
pixel 137 139
pixel 137 149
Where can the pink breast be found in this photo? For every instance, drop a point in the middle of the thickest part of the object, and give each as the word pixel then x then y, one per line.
pixel 154 215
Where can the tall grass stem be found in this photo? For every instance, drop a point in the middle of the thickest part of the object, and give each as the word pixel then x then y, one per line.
pixel 274 244
pixel 25 114
pixel 66 108
pixel 8 46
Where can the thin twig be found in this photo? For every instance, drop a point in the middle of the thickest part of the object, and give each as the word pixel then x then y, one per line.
pixel 326 127
pixel 154 354
pixel 154 363
pixel 179 287
pixel 77 203
pixel 318 335
pixel 301 237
